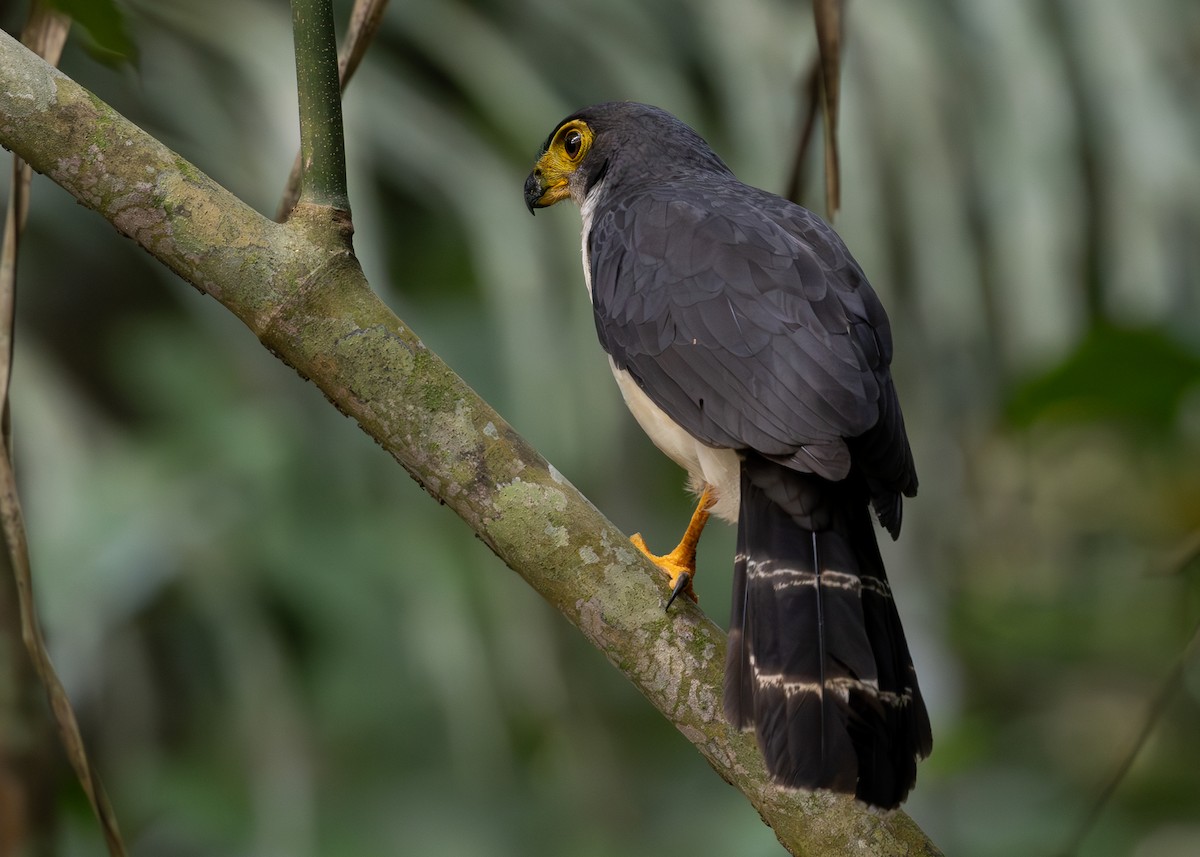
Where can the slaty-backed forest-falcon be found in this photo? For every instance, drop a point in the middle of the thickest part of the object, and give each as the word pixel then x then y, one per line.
pixel 750 347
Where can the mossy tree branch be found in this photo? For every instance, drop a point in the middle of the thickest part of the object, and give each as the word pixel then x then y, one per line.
pixel 300 290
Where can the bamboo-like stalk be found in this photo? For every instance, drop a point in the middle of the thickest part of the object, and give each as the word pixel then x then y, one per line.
pixel 322 147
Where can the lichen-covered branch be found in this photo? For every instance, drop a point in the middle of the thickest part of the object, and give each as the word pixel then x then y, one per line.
pixel 301 292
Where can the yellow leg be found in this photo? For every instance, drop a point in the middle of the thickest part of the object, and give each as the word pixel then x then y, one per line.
pixel 680 564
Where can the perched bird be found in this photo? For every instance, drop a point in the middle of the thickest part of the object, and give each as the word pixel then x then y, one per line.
pixel 749 346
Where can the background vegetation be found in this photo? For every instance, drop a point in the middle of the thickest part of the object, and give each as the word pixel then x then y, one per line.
pixel 278 645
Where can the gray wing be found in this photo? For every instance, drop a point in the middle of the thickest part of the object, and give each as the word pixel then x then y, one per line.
pixel 744 317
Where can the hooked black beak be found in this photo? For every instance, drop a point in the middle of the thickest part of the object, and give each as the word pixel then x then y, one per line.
pixel 533 191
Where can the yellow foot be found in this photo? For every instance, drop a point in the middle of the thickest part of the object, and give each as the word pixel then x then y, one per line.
pixel 679 566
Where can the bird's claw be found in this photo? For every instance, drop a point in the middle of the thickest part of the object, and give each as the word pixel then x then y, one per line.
pixel 679 566
pixel 683 583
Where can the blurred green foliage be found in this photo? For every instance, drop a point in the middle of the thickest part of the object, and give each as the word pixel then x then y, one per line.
pixel 103 26
pixel 1139 377
pixel 279 645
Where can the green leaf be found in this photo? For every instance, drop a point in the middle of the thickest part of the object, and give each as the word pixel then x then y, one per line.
pixel 1135 376
pixel 109 40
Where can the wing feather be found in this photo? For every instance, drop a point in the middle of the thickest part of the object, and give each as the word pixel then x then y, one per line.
pixel 745 318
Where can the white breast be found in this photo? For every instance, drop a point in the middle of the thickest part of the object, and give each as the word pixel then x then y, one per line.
pixel 706 465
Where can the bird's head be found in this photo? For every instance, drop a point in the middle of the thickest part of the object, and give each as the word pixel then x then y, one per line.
pixel 563 166
pixel 622 140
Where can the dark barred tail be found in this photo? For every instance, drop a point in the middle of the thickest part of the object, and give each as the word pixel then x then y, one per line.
pixel 817 662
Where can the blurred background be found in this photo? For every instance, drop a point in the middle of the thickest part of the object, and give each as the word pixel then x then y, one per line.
pixel 278 645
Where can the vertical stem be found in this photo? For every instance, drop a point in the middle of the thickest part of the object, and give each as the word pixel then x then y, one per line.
pixel 322 147
pixel 828 18
pixel 365 19
pixel 1094 184
pixel 28 777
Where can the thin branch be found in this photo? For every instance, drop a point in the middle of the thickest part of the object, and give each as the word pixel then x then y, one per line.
pixel 810 101
pixel 828 17
pixel 45 33
pixel 302 293
pixel 1158 706
pixel 14 535
pixel 322 146
pixel 365 19
pixel 1096 190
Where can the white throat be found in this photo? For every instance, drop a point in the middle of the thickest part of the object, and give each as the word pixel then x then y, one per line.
pixel 587 209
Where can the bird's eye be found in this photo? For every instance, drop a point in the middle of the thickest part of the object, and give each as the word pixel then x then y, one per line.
pixel 572 143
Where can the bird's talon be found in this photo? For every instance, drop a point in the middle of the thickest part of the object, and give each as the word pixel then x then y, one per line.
pixel 679 566
pixel 683 583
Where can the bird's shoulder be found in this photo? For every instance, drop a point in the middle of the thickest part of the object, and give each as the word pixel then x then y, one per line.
pixel 710 246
